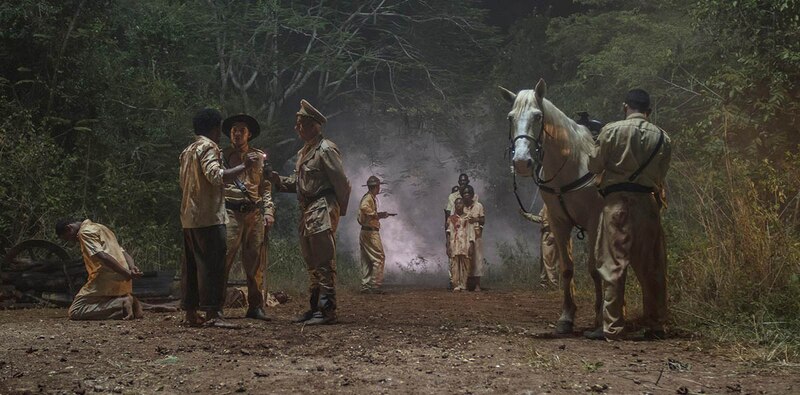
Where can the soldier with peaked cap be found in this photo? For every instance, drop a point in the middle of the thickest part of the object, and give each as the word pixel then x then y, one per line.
pixel 631 158
pixel 322 191
pixel 372 256
pixel 251 213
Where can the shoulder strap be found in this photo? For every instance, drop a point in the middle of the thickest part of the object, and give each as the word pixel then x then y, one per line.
pixel 641 168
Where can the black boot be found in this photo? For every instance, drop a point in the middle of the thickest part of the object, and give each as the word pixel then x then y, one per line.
pixel 313 301
pixel 326 314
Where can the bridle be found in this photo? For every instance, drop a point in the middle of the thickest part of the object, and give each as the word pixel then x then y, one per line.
pixel 538 158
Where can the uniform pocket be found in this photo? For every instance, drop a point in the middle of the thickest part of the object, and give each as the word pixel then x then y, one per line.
pixel 317 218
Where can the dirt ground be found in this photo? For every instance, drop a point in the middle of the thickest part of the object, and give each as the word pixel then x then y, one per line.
pixel 407 341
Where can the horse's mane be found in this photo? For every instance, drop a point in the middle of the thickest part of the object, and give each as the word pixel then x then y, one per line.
pixel 579 139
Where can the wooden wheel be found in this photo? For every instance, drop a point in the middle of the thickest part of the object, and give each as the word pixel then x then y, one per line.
pixel 36 255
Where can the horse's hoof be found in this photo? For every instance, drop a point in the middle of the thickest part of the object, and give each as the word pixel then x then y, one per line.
pixel 564 328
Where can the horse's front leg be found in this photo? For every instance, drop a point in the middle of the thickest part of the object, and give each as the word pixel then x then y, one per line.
pixel 562 235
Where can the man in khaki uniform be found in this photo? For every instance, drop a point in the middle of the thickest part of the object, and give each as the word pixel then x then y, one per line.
pixel 107 292
pixel 631 158
pixel 203 219
pixel 372 256
pixel 475 216
pixel 251 211
pixel 322 191
pixel 548 264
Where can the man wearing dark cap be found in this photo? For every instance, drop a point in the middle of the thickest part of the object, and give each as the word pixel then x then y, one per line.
pixel 251 213
pixel 631 158
pixel 203 219
pixel 372 256
pixel 322 191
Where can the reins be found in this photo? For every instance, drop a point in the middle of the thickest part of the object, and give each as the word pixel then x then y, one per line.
pixel 578 184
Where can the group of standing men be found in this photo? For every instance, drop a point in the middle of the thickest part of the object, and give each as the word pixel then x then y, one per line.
pixel 227 205
pixel 464 220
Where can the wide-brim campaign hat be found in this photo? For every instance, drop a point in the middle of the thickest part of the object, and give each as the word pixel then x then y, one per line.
pixel 373 181
pixel 251 122
pixel 308 111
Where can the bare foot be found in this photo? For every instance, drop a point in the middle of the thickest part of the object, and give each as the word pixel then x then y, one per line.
pixel 217 320
pixel 193 319
pixel 137 308
pixel 127 307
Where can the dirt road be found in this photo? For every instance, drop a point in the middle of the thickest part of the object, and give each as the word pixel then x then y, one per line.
pixel 408 341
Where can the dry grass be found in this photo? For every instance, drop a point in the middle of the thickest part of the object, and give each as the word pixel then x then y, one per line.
pixel 734 261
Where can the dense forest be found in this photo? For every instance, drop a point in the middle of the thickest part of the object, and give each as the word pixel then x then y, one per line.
pixel 96 99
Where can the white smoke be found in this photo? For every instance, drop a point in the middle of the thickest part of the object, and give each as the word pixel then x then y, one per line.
pixel 420 173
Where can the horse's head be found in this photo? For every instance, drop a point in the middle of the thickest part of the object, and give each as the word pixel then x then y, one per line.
pixel 526 125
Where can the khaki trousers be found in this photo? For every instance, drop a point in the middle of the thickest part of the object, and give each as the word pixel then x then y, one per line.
pixel 372 259
pixel 319 253
pixel 548 267
pixel 459 271
pixel 245 231
pixel 97 308
pixel 630 234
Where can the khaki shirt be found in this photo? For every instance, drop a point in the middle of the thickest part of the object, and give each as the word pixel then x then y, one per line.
pixel 460 234
pixel 103 281
pixel 368 211
pixel 203 202
pixel 623 146
pixel 451 201
pixel 320 183
pixel 258 187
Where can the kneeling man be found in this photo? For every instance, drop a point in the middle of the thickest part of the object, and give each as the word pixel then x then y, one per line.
pixel 107 292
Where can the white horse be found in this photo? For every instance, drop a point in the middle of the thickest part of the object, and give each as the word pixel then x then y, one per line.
pixel 550 147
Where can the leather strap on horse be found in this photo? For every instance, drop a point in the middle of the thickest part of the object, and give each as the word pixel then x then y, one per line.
pixel 559 192
pixel 539 150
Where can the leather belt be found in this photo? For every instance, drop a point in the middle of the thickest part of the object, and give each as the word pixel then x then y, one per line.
pixel 241 207
pixel 626 187
pixel 369 228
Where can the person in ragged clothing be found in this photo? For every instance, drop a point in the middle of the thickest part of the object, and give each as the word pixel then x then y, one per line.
pixel 477 217
pixel 107 292
pixel 203 219
pixel 463 180
pixel 548 262
pixel 251 212
pixel 322 191
pixel 631 158
pixel 369 240
pixel 460 246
